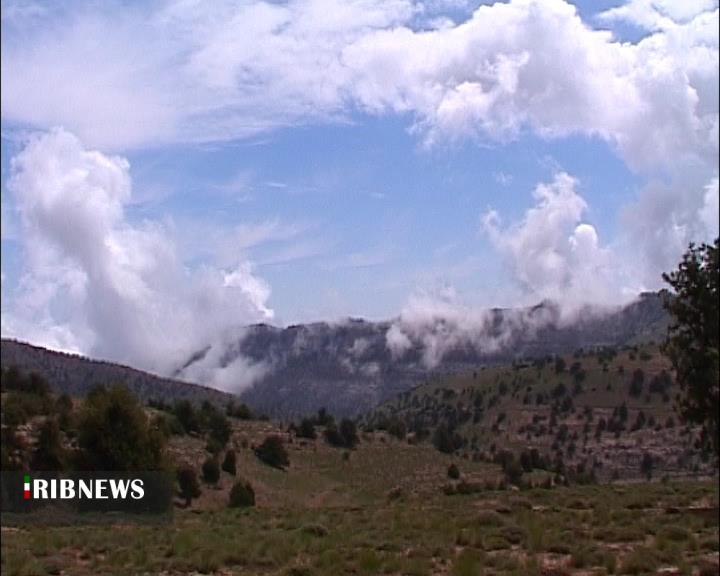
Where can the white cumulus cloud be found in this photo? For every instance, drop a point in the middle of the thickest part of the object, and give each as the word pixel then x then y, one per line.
pixel 553 253
pixel 189 71
pixel 92 281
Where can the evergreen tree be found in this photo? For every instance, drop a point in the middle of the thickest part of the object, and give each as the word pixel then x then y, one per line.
pixel 211 471
pixel 49 453
pixel 242 495
pixel 114 433
pixel 692 343
pixel 188 483
pixel 229 464
pixel 272 452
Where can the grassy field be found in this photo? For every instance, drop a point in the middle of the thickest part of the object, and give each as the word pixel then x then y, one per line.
pixel 383 510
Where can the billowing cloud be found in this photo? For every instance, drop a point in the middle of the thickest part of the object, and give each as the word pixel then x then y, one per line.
pixel 130 76
pixel 438 323
pixel 658 14
pixel 538 66
pixel 92 281
pixel 667 215
pixel 711 208
pixel 187 71
pixel 553 254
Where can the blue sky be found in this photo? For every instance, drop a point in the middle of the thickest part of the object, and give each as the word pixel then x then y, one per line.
pixel 313 160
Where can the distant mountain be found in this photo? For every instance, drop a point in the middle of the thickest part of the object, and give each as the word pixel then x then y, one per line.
pixel 76 375
pixel 348 367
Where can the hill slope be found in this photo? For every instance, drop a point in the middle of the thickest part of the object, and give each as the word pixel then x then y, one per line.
pixel 76 375
pixel 602 412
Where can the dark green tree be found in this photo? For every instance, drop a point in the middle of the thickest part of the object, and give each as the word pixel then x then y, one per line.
pixel 219 429
pixel 49 453
pixel 323 417
pixel 348 431
pixel 114 433
pixel 636 384
pixel 13 447
pixel 242 495
pixel 646 465
pixel 188 484
pixel 306 429
pixel 229 464
pixel 187 416
pixel 343 436
pixel 211 471
pixel 64 408
pixel 692 342
pixel 445 439
pixel 272 452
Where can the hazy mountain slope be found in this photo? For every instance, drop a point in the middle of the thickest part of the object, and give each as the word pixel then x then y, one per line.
pixel 76 375
pixel 348 367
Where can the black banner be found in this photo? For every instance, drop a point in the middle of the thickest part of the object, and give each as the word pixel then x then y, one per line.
pixel 75 497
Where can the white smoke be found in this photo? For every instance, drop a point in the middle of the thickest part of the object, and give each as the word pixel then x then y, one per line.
pixel 438 322
pixel 555 255
pixel 92 281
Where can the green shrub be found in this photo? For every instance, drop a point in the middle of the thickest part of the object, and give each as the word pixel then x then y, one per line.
pixel 49 453
pixel 446 440
pixel 272 452
pixel 188 483
pixel 211 471
pixel 242 495
pixel 218 427
pixel 186 414
pixel 19 407
pixel 343 436
pixel 306 429
pixel 640 561
pixel 315 530
pixel 229 464
pixel 453 472
pixel 114 433
pixel 241 412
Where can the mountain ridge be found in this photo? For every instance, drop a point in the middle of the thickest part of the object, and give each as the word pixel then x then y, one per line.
pixel 348 366
pixel 76 375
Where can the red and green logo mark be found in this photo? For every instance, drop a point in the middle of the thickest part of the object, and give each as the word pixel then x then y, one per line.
pixel 26 490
